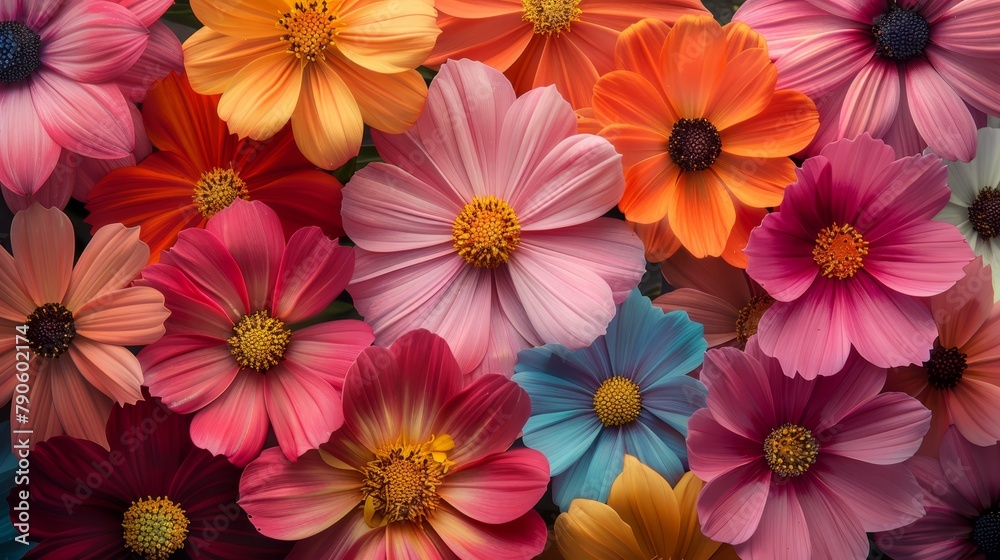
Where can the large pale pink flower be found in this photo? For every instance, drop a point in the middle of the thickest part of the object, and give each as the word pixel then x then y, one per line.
pixel 421 468
pixel 484 226
pixel 233 354
pixel 912 72
pixel 65 64
pixel 74 323
pixel 797 468
pixel 849 256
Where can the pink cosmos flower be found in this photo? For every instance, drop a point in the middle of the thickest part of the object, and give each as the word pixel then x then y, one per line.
pixel 74 323
pixel 484 226
pixel 63 67
pixel 960 382
pixel 848 256
pixel 231 354
pixel 912 72
pixel 797 468
pixel 961 494
pixel 421 468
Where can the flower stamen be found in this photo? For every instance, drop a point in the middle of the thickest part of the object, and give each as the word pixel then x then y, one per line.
pixel 618 401
pixel 51 329
pixel 155 528
pixel 401 482
pixel 217 189
pixel 790 450
pixel 486 232
pixel 551 17
pixel 259 341
pixel 310 29
pixel 694 144
pixel 839 251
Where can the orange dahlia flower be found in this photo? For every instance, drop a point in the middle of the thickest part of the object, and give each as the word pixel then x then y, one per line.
pixel 694 112
pixel 544 42
pixel 329 66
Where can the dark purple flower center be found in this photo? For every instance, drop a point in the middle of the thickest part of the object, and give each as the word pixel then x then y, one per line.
pixel 945 368
pixel 986 534
pixel 20 51
pixel 900 34
pixel 694 144
pixel 985 213
pixel 50 330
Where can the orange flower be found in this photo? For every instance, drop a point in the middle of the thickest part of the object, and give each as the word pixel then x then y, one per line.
pixel 199 169
pixel 661 243
pixel 543 42
pixel 694 112
pixel 329 66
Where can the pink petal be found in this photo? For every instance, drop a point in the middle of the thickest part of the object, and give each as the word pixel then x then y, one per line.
pixel 785 23
pixel 329 349
pixel 888 328
pixel 975 79
pixel 964 27
pixel 93 42
pixel 53 193
pixel 839 395
pixel 348 539
pixel 871 100
pixel 90 119
pixel 499 488
pixel 235 424
pixel 303 407
pixel 191 311
pixel 504 342
pixel 252 234
pixel 730 506
pixel 292 501
pixel 971 469
pixel 15 303
pixel 44 420
pixel 188 371
pixel 924 259
pixel 28 155
pixel 313 271
pixel 869 177
pixel 902 135
pixel 836 532
pixel 811 69
pixel 714 450
pixel 522 538
pixel 408 540
pixel 161 56
pixel 37 14
pixel 484 418
pixel 883 497
pixel 941 533
pixel 972 404
pixel 83 409
pixel 111 261
pixel 910 190
pixel 734 377
pixel 857 10
pixel 148 11
pixel 128 317
pixel 939 114
pixel 780 257
pixel 783 531
pixel 206 261
pixel 883 431
pixel 42 241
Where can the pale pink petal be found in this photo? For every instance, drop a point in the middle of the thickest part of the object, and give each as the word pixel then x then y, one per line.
pixel 484 418
pixel 971 469
pixel 161 56
pixel 500 488
pixel 205 261
pixel 148 11
pixel 93 42
pixel 191 311
pixel 716 315
pixel 883 497
pixel 975 79
pixel 328 349
pixel 111 369
pixel 783 531
pixel 964 29
pixel 303 407
pixel 714 450
pixel 902 134
pixel 15 303
pixel 313 271
pixel 871 100
pixel 83 410
pixel 55 192
pixel 28 155
pixel 36 14
pixel 128 317
pixel 923 259
pixel 784 23
pixel 522 538
pixel 43 242
pixel 809 68
pixel 235 424
pixel 291 501
pixel 90 119
pixel 731 377
pixel 858 10
pixel 888 328
pixel 505 341
pixel 253 236
pixel 973 406
pixel 883 431
pixel 188 372
pixel 836 532
pixel 911 189
pixel 112 259
pixel 730 506
pixel 939 114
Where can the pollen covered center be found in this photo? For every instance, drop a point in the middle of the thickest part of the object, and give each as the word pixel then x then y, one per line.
pixel 840 251
pixel 309 29
pixel 790 450
pixel 401 482
pixel 217 189
pixel 259 341
pixel 51 329
pixel 486 232
pixel 749 317
pixel 551 17
pixel 945 368
pixel 984 213
pixel 694 144
pixel 155 528
pixel 617 401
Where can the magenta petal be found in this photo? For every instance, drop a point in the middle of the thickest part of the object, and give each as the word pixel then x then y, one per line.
pixel 941 533
pixel 871 101
pixel 939 113
pixel 313 271
pixel 783 532
pixel 303 407
pixel 28 155
pixel 834 529
pixel 714 450
pixel 161 56
pixel 93 42
pixel 738 393
pixel 252 234
pixel 235 424
pixel 883 431
pixel 499 488
pixel 910 189
pixel 855 384
pixel 975 79
pixel 971 469
pixel 484 418
pixel 522 538
pixel 888 329
pixel 348 539
pixel 923 259
pixel 187 372
pixel 191 311
pixel 205 261
pixel 730 507
pixel 883 497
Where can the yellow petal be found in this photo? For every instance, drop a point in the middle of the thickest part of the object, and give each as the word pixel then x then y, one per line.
pixel 593 531
pixel 245 19
pixel 212 59
pixel 645 501
pixel 261 98
pixel 388 36
pixel 388 102
pixel 327 122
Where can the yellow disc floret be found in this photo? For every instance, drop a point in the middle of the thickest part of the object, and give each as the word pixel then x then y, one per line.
pixel 486 232
pixel 840 251
pixel 154 528
pixel 259 341
pixel 217 189
pixel 551 17
pixel 309 29
pixel 617 401
pixel 401 482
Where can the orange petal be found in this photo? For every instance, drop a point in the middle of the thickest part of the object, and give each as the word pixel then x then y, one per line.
pixel 112 259
pixel 647 185
pixel 786 126
pixel 693 61
pixel 327 121
pixel 388 36
pixel 388 102
pixel 42 241
pixel 658 239
pixel 522 73
pixel 619 14
pixel 635 143
pixel 586 123
pixel 565 65
pixel 212 59
pixel 243 19
pixel 693 544
pixel 747 218
pixel 740 37
pixel 701 212
pixel 624 97
pixel 597 43
pixel 647 503
pixel 260 99
pixel 479 8
pixel 179 120
pixel 744 90
pixel 494 41
pixel 638 48
pixel 757 182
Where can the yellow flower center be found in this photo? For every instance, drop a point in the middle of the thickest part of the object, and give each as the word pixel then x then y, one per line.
pixel 217 189
pixel 486 232
pixel 839 251
pixel 617 401
pixel 259 341
pixel 401 482
pixel 551 17
pixel 155 528
pixel 749 317
pixel 309 29
pixel 790 450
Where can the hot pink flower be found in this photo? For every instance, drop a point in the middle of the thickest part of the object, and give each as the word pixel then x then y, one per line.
pixel 848 256
pixel 421 468
pixel 798 468
pixel 74 323
pixel 485 225
pixel 230 355
pixel 58 83
pixel 906 71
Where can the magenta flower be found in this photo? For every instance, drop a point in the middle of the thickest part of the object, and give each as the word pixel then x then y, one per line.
pixel 848 256
pixel 912 72
pixel 484 226
pixel 961 494
pixel 231 354
pixel 797 468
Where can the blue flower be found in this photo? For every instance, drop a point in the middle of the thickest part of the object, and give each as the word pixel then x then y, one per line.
pixel 9 549
pixel 628 392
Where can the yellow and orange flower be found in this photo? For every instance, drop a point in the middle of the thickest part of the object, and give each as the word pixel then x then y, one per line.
pixel 644 518
pixel 329 66
pixel 544 42
pixel 694 112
